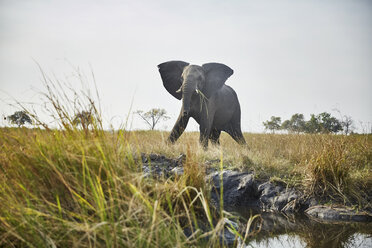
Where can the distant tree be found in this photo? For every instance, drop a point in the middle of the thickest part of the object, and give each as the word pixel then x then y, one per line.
pixel 295 124
pixel 286 125
pixel 153 116
pixel 19 118
pixel 328 123
pixel 321 123
pixel 83 118
pixel 347 124
pixel 274 124
pixel 313 125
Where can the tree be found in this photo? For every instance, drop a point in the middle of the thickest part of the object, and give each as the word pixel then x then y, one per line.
pixel 321 123
pixel 328 123
pixel 273 124
pixel 313 125
pixel 19 118
pixel 298 123
pixel 153 116
pixel 295 124
pixel 286 125
pixel 83 118
pixel 347 124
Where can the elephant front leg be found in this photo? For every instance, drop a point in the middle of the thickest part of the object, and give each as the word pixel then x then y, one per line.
pixel 204 135
pixel 215 136
pixel 205 128
pixel 178 128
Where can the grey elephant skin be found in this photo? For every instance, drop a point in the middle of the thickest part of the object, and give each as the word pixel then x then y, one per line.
pixel 205 97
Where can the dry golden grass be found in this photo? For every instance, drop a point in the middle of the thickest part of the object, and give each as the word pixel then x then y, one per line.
pixel 81 189
pixel 69 187
pixel 321 163
pixel 84 188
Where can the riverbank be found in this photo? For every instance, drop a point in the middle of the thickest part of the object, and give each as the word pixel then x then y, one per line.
pixel 235 190
pixel 332 168
pixel 288 217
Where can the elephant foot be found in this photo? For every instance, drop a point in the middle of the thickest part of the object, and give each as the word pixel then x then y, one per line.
pixel 242 142
pixel 170 140
pixel 204 145
pixel 215 143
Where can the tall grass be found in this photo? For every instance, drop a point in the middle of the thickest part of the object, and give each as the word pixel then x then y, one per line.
pixel 332 167
pixel 68 190
pixel 320 163
pixel 70 186
pixel 83 187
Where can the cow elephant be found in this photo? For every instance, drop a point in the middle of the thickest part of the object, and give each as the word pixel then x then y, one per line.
pixel 205 97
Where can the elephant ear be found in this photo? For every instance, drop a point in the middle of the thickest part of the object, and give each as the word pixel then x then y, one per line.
pixel 216 75
pixel 170 73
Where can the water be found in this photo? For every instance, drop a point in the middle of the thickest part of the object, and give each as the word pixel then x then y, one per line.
pixel 279 230
pixel 288 241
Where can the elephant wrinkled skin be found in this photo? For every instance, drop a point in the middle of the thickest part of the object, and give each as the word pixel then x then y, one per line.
pixel 205 97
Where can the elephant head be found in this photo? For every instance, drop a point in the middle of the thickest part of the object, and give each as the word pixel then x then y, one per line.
pixel 181 79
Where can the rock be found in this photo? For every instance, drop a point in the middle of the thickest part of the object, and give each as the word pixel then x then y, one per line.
pixel 238 189
pixel 156 165
pixel 276 197
pixel 337 214
pixel 312 202
pixel 231 223
pixel 177 171
pixel 241 189
pixel 229 238
pixel 181 159
pixel 268 192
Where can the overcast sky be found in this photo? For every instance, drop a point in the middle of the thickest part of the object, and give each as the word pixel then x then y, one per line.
pixel 288 56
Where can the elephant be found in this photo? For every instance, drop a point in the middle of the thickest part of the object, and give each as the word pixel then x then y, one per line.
pixel 205 97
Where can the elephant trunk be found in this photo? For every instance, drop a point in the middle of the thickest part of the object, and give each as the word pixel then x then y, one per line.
pixel 188 89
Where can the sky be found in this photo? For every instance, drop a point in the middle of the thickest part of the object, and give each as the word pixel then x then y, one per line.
pixel 288 56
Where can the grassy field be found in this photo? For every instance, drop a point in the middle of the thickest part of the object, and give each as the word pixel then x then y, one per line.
pixel 322 165
pixel 74 187
pixel 84 189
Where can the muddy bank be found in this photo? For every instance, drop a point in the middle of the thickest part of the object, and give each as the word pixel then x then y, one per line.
pixel 242 190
